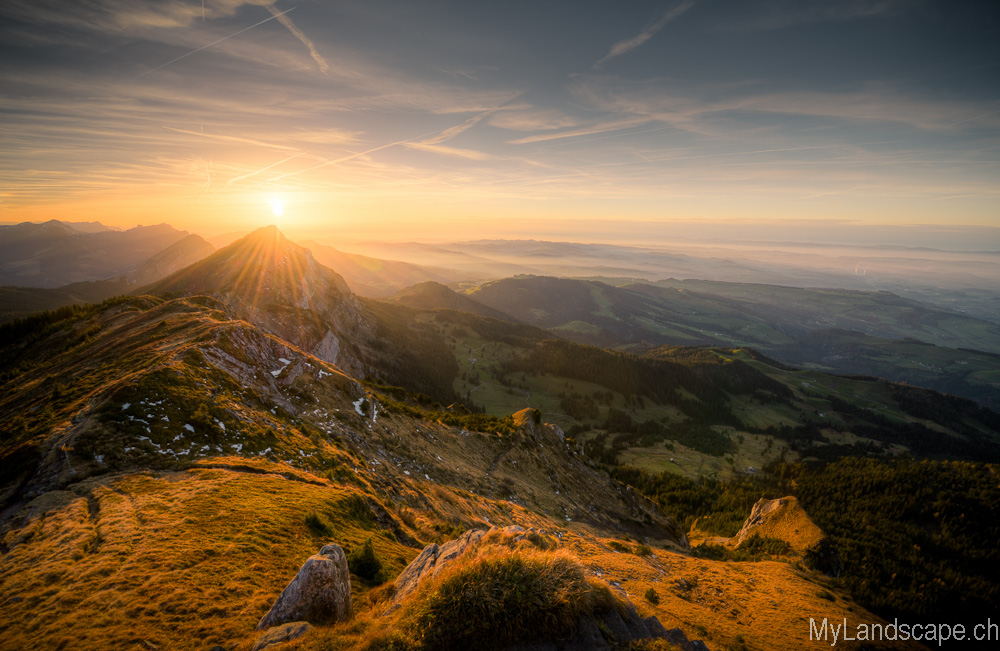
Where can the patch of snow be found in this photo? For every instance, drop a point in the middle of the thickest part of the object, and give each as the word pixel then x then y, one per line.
pixel 189 427
pixel 357 406
pixel 126 406
pixel 406 472
pixel 427 477
pixel 99 458
pixel 277 373
pixel 284 361
pixel 237 446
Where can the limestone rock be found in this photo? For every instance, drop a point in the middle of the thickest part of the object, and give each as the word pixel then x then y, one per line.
pixel 320 593
pixel 781 518
pixel 431 560
pixel 281 634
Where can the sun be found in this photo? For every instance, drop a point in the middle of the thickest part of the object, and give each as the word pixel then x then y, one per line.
pixel 277 207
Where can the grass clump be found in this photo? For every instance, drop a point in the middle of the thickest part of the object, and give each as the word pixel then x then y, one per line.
pixel 619 547
pixel 501 598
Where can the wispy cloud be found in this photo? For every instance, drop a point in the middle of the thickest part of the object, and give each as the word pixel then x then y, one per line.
pixel 219 136
pixel 600 127
pixel 470 154
pixel 629 44
pixel 205 47
pixel 533 119
pixel 324 67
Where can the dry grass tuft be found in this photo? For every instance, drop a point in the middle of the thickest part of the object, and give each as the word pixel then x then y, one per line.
pixel 494 597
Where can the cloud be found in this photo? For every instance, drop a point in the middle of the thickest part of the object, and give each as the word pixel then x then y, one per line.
pixel 470 154
pixel 706 110
pixel 600 127
pixel 324 67
pixel 532 119
pixel 219 136
pixel 451 132
pixel 225 38
pixel 629 44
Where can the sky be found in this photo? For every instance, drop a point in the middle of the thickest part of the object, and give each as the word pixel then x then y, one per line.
pixel 409 119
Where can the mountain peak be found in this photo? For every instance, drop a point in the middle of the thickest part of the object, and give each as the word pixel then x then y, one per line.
pixel 270 233
pixel 274 283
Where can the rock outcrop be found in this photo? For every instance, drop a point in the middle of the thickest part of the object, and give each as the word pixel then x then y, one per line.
pixel 781 518
pixel 281 634
pixel 320 593
pixel 431 560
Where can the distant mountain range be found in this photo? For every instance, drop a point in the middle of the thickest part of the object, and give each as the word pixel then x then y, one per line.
pixel 48 265
pixel 54 253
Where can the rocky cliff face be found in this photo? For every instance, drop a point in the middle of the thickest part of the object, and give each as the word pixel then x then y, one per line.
pixel 781 518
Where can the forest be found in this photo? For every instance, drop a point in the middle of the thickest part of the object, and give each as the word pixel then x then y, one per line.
pixel 906 538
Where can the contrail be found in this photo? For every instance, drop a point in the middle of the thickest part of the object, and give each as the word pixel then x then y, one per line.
pixel 324 67
pixel 344 159
pixel 264 169
pixel 209 45
pixel 973 118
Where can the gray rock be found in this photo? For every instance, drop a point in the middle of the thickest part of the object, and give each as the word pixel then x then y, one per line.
pixel 431 560
pixel 654 626
pixel 676 637
pixel 281 634
pixel 320 593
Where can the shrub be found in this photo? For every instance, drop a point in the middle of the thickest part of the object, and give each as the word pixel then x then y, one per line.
pixel 758 545
pixel 643 550
pixel 503 598
pixel 652 597
pixel 363 562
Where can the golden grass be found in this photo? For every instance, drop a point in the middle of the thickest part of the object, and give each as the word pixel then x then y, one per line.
pixel 179 560
pixel 192 559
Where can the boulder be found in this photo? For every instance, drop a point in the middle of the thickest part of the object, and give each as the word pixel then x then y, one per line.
pixel 320 593
pixel 281 634
pixel 431 560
